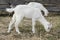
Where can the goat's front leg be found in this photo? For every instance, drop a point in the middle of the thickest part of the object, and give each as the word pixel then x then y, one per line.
pixel 33 25
pixel 18 20
pixel 11 23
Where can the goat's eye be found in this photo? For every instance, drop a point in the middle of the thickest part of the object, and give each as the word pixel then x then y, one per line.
pixel 48 27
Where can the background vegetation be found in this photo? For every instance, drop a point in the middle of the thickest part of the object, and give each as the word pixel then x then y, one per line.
pixel 25 28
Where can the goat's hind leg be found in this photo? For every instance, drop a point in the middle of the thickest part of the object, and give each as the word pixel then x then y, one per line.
pixel 18 20
pixel 11 23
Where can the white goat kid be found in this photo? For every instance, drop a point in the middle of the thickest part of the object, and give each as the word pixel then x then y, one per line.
pixel 39 6
pixel 21 11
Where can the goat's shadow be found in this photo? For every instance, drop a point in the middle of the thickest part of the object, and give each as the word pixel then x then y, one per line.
pixel 23 35
pixel 4 33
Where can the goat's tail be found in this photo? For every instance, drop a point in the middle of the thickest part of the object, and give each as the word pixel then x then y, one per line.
pixel 10 9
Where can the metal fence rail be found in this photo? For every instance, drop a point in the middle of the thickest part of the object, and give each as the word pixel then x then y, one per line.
pixel 51 5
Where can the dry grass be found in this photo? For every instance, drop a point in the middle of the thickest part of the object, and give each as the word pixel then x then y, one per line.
pixel 25 28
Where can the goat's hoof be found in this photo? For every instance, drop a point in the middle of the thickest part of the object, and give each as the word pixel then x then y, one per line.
pixel 19 33
pixel 33 32
pixel 8 31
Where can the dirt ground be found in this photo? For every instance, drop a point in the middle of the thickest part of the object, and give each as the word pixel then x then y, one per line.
pixel 25 28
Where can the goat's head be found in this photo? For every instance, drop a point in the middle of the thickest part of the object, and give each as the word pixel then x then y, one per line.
pixel 48 27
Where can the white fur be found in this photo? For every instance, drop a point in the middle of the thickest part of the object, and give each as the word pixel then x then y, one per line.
pixel 36 5
pixel 21 11
pixel 9 10
pixel 39 6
